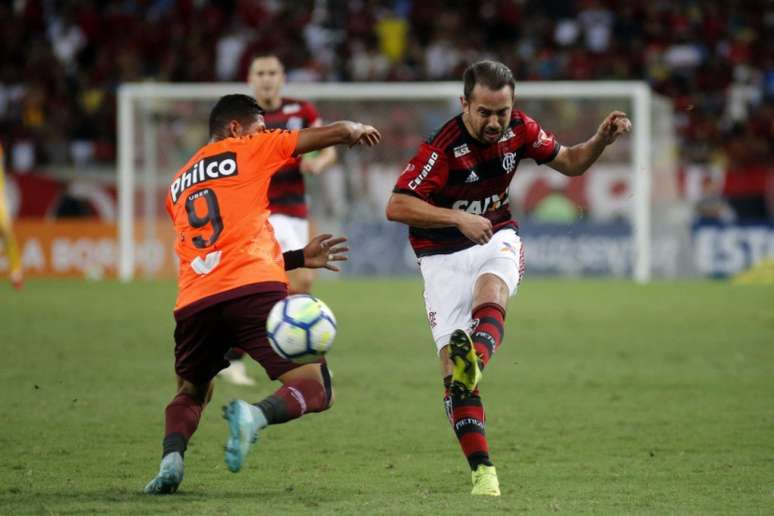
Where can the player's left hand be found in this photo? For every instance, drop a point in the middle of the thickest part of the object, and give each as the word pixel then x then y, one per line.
pixel 614 125
pixel 323 250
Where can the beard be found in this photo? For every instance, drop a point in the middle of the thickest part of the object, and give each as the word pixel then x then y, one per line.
pixel 489 135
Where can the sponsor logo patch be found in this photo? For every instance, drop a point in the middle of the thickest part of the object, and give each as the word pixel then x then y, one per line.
pixel 472 177
pixel 212 167
pixel 461 150
pixel 542 139
pixel 507 136
pixel 291 108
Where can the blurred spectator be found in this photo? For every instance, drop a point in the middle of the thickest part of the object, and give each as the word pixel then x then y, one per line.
pixel 61 62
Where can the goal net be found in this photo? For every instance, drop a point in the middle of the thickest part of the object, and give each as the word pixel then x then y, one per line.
pixel 622 218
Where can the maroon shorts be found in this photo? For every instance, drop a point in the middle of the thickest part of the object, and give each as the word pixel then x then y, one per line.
pixel 203 338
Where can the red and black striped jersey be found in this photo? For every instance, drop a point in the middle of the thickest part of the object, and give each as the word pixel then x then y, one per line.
pixel 454 170
pixel 287 194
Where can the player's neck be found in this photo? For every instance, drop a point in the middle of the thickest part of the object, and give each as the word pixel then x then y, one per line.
pixel 270 104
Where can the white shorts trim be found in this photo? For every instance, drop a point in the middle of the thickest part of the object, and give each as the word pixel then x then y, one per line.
pixel 451 278
pixel 291 232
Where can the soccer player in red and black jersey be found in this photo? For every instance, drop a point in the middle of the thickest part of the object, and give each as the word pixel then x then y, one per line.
pixel 453 195
pixel 287 192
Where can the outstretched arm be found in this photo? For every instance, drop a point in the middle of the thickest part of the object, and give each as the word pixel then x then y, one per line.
pixel 575 160
pixel 343 132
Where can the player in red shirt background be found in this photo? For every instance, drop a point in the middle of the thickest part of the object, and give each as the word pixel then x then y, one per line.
pixel 453 195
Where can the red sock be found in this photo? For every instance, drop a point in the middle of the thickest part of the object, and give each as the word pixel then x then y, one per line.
pixel 181 419
pixel 489 331
pixel 469 422
pixel 293 400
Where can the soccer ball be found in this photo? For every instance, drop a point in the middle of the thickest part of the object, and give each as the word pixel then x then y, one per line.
pixel 301 328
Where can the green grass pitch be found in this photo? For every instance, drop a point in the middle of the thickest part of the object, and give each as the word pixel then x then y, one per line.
pixel 606 398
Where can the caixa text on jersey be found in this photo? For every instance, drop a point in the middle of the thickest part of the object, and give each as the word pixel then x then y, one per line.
pixel 477 207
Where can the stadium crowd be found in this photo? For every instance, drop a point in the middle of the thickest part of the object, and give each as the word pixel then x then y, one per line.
pixel 61 63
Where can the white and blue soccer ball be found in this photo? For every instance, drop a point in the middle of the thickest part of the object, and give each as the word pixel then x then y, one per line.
pixel 301 328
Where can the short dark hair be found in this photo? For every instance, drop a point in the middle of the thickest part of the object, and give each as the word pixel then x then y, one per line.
pixel 242 108
pixel 491 74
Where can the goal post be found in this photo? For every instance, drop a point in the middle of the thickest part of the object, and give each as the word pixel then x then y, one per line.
pixel 143 107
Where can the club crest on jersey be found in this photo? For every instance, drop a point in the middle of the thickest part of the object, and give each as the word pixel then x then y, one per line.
pixel 507 136
pixel 509 162
pixel 461 150
pixel 291 108
pixel 211 167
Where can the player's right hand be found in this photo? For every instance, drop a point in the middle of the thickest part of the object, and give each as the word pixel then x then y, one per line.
pixel 475 227
pixel 365 134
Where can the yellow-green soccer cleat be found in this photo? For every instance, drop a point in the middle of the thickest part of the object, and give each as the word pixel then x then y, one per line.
pixel 466 372
pixel 485 481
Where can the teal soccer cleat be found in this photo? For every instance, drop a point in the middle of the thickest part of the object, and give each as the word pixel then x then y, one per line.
pixel 244 421
pixel 169 477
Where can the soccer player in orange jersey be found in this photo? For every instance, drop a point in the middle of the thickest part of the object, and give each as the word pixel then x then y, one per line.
pixel 231 274
pixel 287 192
pixel 6 234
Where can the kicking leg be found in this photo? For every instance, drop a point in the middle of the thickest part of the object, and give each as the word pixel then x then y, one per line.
pixel 307 388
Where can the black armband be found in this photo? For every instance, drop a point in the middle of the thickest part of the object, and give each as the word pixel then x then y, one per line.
pixel 293 259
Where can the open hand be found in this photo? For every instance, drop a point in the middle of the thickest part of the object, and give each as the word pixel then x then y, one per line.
pixel 323 250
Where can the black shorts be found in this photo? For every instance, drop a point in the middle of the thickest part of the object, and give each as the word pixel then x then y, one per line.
pixel 203 338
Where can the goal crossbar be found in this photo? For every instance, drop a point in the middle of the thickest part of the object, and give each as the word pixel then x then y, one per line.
pixel 638 92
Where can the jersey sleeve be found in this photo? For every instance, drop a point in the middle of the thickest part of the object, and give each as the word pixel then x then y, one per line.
pixel 272 148
pixel 542 146
pixel 425 173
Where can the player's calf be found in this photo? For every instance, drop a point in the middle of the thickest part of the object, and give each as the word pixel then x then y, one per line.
pixel 489 331
pixel 296 397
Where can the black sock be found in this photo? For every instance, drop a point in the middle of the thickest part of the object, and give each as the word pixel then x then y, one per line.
pixel 274 409
pixel 174 443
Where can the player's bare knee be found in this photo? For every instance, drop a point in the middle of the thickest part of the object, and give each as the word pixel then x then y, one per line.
pixel 490 288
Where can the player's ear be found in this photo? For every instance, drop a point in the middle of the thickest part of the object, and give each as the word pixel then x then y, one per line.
pixel 234 129
pixel 464 103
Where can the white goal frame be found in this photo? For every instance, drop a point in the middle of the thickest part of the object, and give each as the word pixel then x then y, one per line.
pixel 637 91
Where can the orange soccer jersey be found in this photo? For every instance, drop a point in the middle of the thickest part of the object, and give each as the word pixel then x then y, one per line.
pixel 219 206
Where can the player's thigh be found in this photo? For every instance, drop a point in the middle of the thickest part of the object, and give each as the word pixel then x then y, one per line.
pixel 201 341
pixel 291 232
pixel 448 293
pixel 247 319
pixel 503 258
